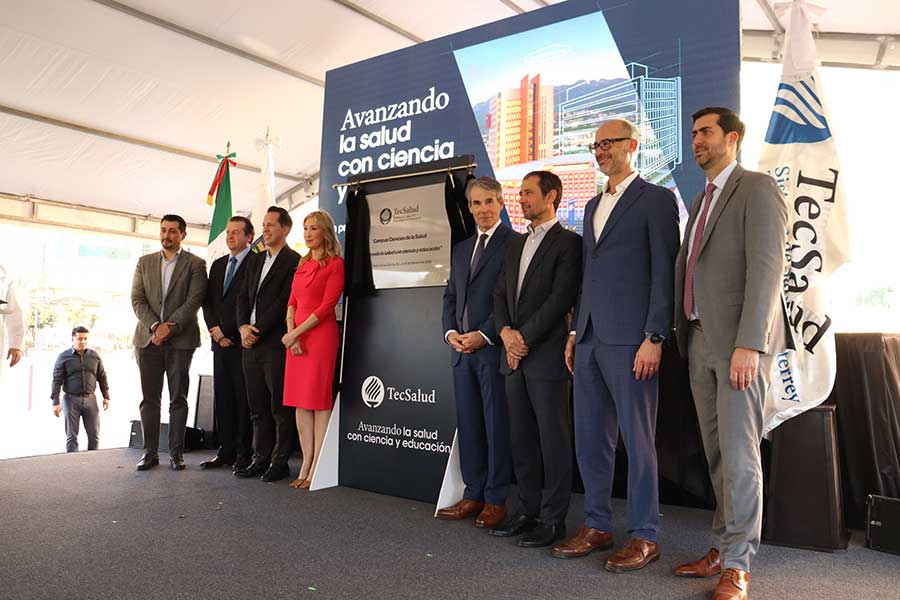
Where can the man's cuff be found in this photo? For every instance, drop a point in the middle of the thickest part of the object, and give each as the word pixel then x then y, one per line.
pixel 573 332
pixel 55 401
pixel 447 334
pixel 486 338
pixel 154 326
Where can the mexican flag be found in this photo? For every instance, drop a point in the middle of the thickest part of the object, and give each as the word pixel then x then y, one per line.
pixel 220 197
pixel 799 152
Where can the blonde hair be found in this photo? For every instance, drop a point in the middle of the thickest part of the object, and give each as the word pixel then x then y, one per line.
pixel 330 241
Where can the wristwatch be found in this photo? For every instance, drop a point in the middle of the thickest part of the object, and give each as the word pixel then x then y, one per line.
pixel 654 338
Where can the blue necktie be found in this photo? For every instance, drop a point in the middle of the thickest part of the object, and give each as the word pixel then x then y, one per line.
pixel 229 275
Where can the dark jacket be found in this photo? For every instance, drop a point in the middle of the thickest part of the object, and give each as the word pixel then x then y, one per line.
pixel 548 293
pixel 220 307
pixel 271 297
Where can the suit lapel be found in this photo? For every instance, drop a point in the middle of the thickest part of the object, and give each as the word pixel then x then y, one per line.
pixel 279 260
pixel 724 196
pixel 180 267
pixel 589 210
pixel 512 277
pixel 539 255
pixel 156 278
pixel 630 196
pixel 467 246
pixel 493 244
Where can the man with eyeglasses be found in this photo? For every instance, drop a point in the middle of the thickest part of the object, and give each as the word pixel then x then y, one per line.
pixel 623 315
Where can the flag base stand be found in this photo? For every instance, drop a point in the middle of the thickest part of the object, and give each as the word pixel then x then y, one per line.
pixel 804 507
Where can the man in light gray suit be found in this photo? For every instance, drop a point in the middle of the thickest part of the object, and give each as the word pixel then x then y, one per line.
pixel 727 282
pixel 168 289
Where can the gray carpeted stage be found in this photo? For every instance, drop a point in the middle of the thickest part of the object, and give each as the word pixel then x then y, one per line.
pixel 88 525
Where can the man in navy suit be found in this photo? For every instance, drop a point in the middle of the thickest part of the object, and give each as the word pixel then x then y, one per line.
pixel 482 424
pixel 231 410
pixel 623 315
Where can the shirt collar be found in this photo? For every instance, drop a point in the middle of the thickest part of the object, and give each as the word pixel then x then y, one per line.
pixel 490 232
pixel 543 227
pixel 623 185
pixel 270 256
pixel 162 255
pixel 240 256
pixel 722 178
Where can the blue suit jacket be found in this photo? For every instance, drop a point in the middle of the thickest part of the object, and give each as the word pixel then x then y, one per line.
pixel 628 281
pixel 476 289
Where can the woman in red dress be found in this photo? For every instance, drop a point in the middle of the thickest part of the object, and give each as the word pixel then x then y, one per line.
pixel 312 338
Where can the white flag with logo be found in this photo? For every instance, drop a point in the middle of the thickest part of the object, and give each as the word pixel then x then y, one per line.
pixel 265 196
pixel 799 153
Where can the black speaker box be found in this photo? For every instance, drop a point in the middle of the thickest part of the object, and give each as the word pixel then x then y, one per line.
pixel 803 500
pixel 204 415
pixel 883 524
pixel 193 437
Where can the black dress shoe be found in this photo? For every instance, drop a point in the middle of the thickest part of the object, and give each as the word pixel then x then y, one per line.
pixel 543 535
pixel 241 463
pixel 252 470
pixel 515 526
pixel 275 473
pixel 176 462
pixel 147 462
pixel 216 463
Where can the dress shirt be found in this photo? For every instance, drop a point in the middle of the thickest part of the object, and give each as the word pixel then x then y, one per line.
pixel 78 374
pixel 607 203
pixel 535 237
pixel 267 266
pixel 489 233
pixel 166 268
pixel 719 182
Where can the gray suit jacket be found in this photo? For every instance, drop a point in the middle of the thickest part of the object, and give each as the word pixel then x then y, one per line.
pixel 187 290
pixel 740 266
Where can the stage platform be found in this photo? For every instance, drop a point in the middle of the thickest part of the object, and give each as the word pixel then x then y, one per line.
pixel 89 526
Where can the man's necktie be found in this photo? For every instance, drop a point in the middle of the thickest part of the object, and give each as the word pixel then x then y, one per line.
pixel 695 250
pixel 229 274
pixel 479 250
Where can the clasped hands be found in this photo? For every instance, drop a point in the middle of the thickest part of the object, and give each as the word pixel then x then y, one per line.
pixel 291 341
pixel 516 348
pixel 466 343
pixel 162 332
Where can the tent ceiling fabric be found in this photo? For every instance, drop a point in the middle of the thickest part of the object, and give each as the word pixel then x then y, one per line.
pixel 90 63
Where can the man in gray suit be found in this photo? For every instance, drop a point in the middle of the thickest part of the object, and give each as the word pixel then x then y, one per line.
pixel 728 277
pixel 168 289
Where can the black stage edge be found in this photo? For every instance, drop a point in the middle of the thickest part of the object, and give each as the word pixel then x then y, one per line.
pixel 89 526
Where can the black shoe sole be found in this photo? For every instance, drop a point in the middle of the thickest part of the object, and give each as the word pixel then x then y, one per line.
pixel 147 467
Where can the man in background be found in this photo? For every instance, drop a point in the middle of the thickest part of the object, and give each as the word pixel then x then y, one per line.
pixel 78 372
pixel 168 288
pixel 231 411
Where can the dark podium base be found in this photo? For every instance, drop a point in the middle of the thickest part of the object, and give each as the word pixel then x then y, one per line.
pixel 804 508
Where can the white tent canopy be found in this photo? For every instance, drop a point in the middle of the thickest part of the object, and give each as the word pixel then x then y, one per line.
pixel 123 105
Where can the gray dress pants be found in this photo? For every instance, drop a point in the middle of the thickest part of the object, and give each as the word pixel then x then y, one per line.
pixel 78 408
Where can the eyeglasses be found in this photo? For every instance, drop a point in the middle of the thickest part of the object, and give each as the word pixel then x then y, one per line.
pixel 605 144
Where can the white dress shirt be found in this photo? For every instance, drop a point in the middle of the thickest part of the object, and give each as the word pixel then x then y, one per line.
pixel 719 182
pixel 607 203
pixel 166 268
pixel 535 237
pixel 267 266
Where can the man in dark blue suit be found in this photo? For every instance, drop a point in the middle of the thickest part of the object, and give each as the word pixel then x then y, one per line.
pixel 482 424
pixel 622 317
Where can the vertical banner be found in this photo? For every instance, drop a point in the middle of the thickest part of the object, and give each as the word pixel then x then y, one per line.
pixel 398 415
pixel 799 153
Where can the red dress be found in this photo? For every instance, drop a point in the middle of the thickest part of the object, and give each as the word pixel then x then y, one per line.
pixel 308 377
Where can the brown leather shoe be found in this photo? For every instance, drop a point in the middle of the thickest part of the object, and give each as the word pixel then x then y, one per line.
pixel 707 566
pixel 585 541
pixel 461 510
pixel 734 584
pixel 491 516
pixel 636 554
